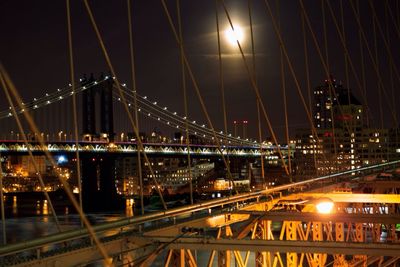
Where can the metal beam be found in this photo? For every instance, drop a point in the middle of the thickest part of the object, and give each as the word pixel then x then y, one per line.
pixel 347 197
pixel 328 247
pixel 280 216
pixel 390 262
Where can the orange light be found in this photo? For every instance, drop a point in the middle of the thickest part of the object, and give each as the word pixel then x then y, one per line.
pixel 324 206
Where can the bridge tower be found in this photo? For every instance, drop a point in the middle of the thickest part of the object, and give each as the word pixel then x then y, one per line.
pixel 98 171
pixel 105 89
pixel 88 109
pixel 106 100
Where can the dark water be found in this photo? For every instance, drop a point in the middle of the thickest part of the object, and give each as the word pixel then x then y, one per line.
pixel 29 216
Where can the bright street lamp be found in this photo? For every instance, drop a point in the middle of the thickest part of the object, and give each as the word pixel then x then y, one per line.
pixel 324 206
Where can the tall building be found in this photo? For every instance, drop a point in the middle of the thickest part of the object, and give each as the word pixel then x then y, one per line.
pixel 335 106
pixel 341 140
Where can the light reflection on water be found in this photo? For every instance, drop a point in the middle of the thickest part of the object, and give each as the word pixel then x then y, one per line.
pixel 14 205
pixel 26 220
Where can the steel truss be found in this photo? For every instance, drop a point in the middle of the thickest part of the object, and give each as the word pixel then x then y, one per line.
pixel 355 234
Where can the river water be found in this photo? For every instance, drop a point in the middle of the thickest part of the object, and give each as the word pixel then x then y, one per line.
pixel 29 217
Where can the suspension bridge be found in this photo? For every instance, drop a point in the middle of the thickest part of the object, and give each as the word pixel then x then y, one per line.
pixel 337 199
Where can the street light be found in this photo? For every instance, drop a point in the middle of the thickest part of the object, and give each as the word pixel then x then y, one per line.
pixel 324 206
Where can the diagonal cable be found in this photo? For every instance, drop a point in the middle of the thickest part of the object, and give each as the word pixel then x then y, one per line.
pixel 197 89
pixel 256 91
pixel 131 119
pixel 67 188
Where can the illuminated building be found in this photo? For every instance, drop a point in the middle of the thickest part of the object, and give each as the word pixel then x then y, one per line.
pixel 342 141
pixel 127 179
pixel 173 174
pixel 28 166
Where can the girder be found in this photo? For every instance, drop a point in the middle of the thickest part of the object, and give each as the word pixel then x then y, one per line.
pixel 327 247
pixel 279 216
pixel 347 197
pixel 130 147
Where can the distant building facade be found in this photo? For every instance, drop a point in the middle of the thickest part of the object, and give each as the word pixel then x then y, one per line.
pixel 341 140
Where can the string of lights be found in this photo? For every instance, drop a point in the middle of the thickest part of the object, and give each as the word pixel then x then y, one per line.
pixel 149 108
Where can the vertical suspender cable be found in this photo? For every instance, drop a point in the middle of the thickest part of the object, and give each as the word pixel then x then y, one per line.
pixel 391 86
pixel 396 9
pixel 221 80
pixel 346 69
pixel 363 78
pixel 283 83
pixel 330 82
pixel 185 101
pixel 395 126
pixel 135 105
pixel 220 73
pixel 308 84
pixel 377 64
pixel 325 35
pixel 74 106
pixel 258 102
pixel 3 217
pixel 346 63
pixel 387 13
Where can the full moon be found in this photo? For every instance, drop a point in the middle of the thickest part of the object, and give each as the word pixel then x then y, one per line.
pixel 234 36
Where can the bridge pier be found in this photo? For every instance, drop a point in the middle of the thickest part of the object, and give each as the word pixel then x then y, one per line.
pixel 98 183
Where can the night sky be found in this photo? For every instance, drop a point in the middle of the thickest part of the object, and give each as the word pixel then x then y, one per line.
pixel 33 49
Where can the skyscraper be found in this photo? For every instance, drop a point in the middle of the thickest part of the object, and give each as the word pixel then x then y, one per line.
pixel 341 140
pixel 335 106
